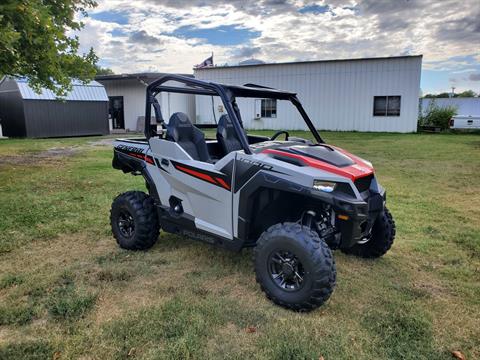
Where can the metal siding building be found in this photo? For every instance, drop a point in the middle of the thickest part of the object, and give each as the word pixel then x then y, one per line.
pixel 24 113
pixel 337 94
pixel 129 91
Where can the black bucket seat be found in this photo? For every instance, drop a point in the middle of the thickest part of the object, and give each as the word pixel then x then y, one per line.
pixel 181 130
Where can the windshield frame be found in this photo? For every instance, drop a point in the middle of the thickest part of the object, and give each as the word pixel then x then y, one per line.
pixel 228 95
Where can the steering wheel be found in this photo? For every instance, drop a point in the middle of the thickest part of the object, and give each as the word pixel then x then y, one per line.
pixel 280 133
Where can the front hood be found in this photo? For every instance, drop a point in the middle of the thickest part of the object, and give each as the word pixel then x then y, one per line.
pixel 323 153
pixel 324 157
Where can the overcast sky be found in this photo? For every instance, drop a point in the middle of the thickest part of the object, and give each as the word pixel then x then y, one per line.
pixel 174 35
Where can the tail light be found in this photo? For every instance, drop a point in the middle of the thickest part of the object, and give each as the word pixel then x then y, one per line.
pixel 451 122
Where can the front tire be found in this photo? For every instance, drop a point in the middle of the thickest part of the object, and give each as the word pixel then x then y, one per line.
pixel 134 221
pixel 381 240
pixel 294 267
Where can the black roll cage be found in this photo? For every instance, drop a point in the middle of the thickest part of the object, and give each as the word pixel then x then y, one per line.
pixel 227 94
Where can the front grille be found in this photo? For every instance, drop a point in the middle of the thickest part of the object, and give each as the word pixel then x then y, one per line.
pixel 363 184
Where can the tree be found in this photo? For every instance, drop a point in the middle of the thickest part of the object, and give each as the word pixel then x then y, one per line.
pixel 103 71
pixel 444 95
pixel 35 43
pixel 467 93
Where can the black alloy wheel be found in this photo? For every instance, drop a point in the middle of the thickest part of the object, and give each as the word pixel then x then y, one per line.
pixel 286 270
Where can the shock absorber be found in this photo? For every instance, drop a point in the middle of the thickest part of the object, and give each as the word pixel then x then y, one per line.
pixel 322 224
pixel 308 219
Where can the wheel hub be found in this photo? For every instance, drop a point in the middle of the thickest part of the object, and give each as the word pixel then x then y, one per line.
pixel 126 224
pixel 286 270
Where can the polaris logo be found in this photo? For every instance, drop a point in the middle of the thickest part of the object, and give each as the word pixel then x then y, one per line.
pixel 128 148
pixel 256 163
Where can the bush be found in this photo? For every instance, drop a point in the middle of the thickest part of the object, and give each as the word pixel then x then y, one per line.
pixel 437 116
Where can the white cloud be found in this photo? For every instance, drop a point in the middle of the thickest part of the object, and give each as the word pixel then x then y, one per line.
pixel 438 30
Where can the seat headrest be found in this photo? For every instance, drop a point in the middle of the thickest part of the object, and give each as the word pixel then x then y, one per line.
pixel 225 128
pixel 179 127
pixel 224 121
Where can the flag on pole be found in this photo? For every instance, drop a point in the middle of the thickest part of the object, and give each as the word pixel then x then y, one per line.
pixel 205 63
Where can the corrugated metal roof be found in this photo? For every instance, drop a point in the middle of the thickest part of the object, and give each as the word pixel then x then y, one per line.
pixel 303 62
pixel 92 91
pixel 147 77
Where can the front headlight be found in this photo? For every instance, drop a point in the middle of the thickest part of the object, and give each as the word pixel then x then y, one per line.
pixel 325 186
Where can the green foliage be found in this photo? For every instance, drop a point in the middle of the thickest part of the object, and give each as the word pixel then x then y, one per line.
pixel 10 280
pixel 437 116
pixel 183 298
pixel 35 42
pixel 467 93
pixel 463 94
pixel 402 330
pixel 67 302
pixel 15 314
pixel 103 71
pixel 27 350
pixel 178 330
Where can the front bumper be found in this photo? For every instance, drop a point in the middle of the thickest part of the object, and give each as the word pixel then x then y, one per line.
pixel 354 219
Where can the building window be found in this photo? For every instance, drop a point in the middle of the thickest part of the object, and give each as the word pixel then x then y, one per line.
pixel 269 108
pixel 386 105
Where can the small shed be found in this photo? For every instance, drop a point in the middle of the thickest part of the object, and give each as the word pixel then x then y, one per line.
pixel 25 113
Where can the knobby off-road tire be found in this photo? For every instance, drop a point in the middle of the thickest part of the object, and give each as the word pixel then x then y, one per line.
pixel 134 221
pixel 383 235
pixel 294 241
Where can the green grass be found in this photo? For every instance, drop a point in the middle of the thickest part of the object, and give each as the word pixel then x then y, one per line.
pixel 67 289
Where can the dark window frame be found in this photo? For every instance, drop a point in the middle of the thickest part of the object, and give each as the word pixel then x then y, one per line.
pixel 268 108
pixel 387 111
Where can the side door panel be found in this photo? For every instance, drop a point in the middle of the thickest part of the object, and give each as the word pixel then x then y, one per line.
pixel 204 190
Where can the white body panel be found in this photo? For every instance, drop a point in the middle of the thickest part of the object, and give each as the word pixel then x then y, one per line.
pixel 209 204
pixel 466 122
pixel 337 95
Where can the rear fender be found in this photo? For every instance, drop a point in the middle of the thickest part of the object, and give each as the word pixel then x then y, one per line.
pixel 135 166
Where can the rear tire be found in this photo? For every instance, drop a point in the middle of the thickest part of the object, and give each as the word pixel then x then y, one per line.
pixel 294 267
pixel 134 221
pixel 383 235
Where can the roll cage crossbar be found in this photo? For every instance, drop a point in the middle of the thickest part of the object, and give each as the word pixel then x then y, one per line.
pixel 227 94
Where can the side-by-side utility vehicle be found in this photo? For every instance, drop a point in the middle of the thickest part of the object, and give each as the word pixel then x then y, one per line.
pixel 293 200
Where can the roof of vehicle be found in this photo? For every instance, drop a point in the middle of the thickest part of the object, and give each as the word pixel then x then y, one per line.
pixel 257 91
pixel 204 87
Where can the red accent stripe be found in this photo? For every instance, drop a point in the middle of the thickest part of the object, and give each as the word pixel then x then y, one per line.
pixel 197 174
pixel 353 172
pixel 223 183
pixel 149 160
pixel 143 157
pixel 138 156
